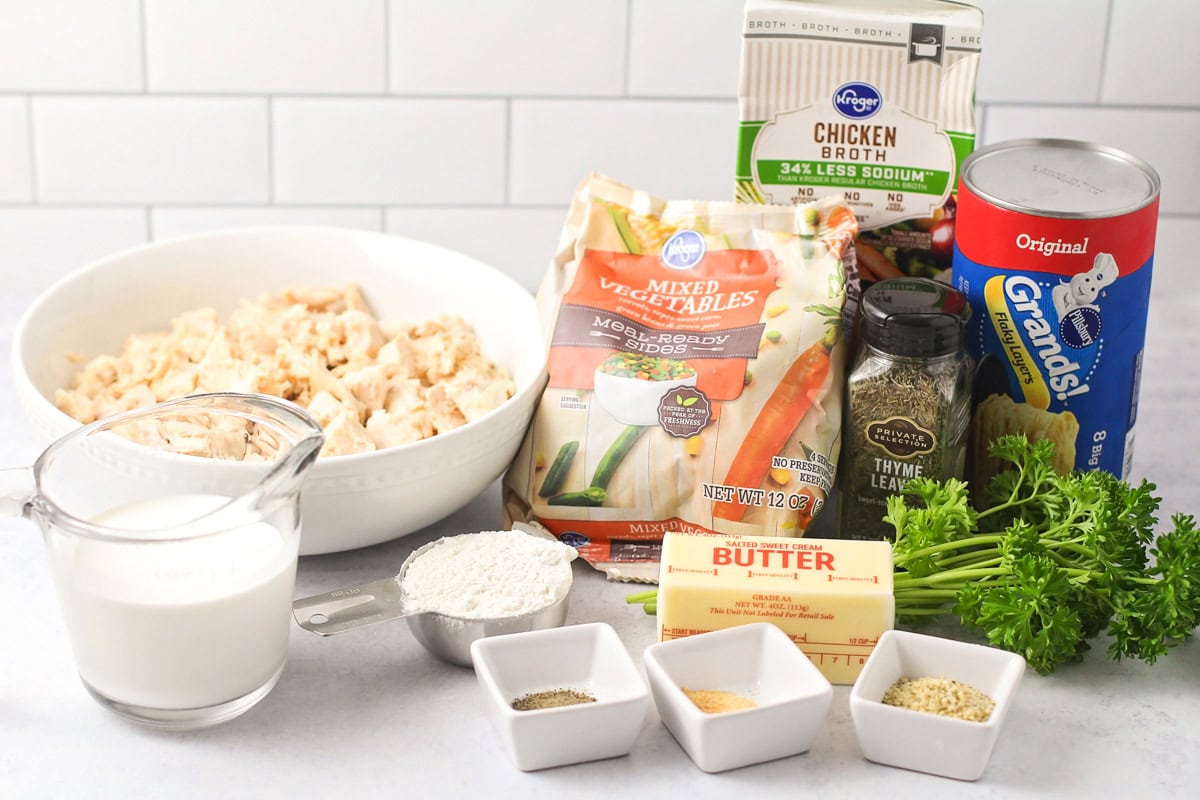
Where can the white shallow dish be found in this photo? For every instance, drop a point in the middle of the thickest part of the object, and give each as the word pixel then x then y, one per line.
pixel 632 401
pixel 349 501
pixel 588 658
pixel 916 740
pixel 757 661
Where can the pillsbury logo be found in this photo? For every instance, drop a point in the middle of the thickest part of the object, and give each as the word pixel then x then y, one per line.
pixel 857 100
pixel 683 250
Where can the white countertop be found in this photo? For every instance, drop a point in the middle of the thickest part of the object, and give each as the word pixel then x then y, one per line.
pixel 371 714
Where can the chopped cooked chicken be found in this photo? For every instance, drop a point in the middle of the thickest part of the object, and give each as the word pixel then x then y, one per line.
pixel 443 411
pixel 388 430
pixel 477 388
pixel 370 384
pixel 343 432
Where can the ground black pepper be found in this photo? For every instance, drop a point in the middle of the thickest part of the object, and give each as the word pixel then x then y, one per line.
pixel 551 699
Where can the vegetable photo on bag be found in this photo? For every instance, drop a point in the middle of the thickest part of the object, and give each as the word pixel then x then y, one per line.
pixel 798 389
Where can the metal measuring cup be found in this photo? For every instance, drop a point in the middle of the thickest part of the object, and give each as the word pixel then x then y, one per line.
pixel 445 636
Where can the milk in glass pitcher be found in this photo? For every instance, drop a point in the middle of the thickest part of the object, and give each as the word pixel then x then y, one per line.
pixel 172 534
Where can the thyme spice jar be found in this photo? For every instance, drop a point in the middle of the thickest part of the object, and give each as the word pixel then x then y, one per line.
pixel 908 399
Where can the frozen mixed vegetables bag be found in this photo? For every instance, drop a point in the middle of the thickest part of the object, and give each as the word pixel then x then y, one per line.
pixel 696 356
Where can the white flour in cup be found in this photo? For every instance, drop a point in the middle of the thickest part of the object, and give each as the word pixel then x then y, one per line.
pixel 487 575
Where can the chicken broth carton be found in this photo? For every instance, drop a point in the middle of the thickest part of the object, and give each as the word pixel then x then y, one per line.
pixel 870 98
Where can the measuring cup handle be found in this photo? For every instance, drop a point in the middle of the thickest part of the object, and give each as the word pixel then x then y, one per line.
pixel 17 490
pixel 347 609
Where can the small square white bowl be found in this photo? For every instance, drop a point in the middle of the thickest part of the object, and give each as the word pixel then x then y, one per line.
pixel 757 661
pixel 587 658
pixel 921 741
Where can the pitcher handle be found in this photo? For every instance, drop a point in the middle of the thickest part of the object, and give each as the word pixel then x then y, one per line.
pixel 17 490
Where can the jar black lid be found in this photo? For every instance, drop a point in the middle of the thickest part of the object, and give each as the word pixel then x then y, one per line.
pixel 914 317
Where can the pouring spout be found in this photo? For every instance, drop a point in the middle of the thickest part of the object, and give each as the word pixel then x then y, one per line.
pixel 286 478
pixel 18 487
pixel 285 422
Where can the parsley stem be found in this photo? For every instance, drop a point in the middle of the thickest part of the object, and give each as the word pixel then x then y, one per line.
pixel 922 594
pixel 957 544
pixel 1004 507
pixel 922 612
pixel 1063 561
pixel 954 576
pixel 975 558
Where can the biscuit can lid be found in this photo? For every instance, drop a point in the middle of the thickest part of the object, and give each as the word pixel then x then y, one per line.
pixel 1060 178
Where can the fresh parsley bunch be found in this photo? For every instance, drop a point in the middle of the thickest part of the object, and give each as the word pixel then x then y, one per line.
pixel 1051 563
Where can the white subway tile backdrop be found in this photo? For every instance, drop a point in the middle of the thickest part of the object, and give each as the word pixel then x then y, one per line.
pixel 16 177
pixel 469 122
pixel 522 241
pixel 389 150
pixel 1154 59
pixel 38 245
pixel 675 150
pixel 71 46
pixel 265 46
pixel 1049 52
pixel 150 149
pixel 182 221
pixel 697 58
pixel 531 47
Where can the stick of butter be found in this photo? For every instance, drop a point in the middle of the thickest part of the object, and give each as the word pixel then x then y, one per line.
pixel 833 597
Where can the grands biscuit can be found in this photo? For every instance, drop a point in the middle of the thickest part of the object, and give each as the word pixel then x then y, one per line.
pixel 1054 251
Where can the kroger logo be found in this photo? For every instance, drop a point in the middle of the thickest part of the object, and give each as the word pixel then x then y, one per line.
pixel 857 100
pixel 683 250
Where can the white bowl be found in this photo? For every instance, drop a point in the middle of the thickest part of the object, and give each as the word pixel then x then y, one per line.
pixel 916 740
pixel 587 658
pixel 349 501
pixel 757 661
pixel 633 401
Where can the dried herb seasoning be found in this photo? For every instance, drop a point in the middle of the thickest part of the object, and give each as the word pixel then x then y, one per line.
pixel 907 399
pixel 943 696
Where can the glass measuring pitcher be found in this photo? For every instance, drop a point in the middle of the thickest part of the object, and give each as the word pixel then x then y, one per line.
pixel 175 572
